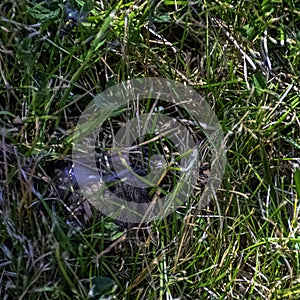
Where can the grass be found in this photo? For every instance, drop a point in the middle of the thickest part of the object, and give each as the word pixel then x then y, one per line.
pixel 243 56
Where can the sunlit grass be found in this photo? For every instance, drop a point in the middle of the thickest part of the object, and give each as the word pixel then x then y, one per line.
pixel 243 56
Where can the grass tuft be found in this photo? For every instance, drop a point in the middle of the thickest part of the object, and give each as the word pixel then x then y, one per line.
pixel 243 57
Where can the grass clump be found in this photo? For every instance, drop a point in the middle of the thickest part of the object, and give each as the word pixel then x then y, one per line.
pixel 243 57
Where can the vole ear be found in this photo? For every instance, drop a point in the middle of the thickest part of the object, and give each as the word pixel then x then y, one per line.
pixel 119 161
pixel 140 172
